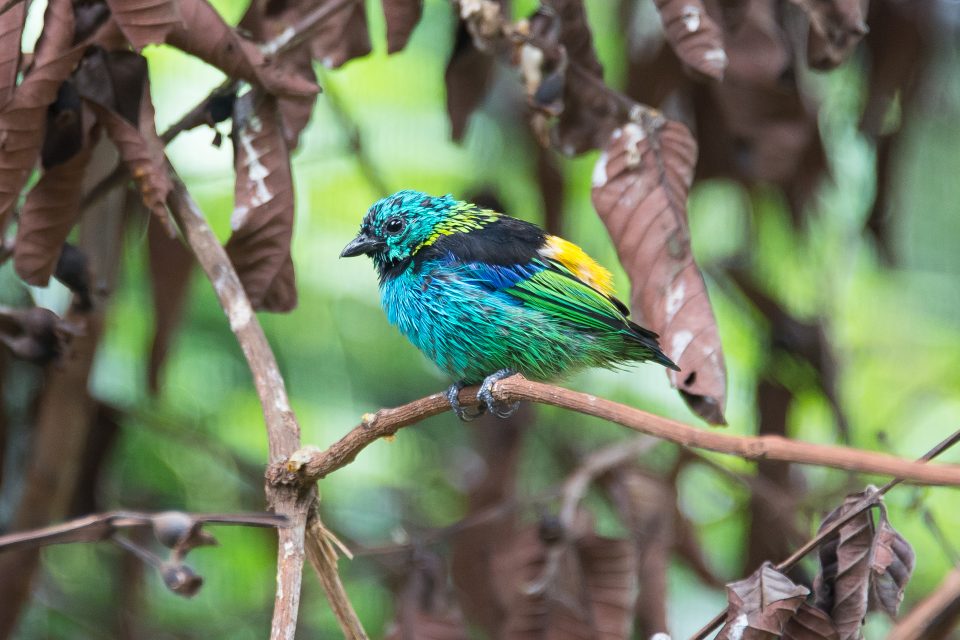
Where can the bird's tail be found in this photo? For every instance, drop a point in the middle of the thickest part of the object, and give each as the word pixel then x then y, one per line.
pixel 646 344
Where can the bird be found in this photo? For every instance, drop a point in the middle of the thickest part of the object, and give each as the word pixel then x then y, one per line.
pixel 485 296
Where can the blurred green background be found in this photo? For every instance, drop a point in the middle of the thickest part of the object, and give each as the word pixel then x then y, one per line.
pixel 201 445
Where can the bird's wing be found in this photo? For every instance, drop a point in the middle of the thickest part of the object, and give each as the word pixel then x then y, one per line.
pixel 551 287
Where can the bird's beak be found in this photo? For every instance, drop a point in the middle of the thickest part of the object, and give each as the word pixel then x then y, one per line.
pixel 362 244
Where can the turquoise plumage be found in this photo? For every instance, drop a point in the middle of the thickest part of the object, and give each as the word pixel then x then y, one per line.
pixel 485 295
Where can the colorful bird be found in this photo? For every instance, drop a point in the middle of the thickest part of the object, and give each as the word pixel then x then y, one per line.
pixel 485 295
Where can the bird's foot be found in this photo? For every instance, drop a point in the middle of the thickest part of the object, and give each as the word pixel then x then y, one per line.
pixel 485 395
pixel 453 393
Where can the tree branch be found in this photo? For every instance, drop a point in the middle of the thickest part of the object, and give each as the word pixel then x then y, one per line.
pixel 283 431
pixel 310 464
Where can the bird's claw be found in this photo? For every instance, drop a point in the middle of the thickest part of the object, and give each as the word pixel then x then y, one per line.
pixel 485 395
pixel 453 396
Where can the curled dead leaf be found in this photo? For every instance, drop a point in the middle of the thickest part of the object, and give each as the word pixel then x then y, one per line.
pixel 116 86
pixel 424 608
pixel 265 22
pixel 592 596
pixel 35 334
pixel 809 623
pixel 467 80
pixel 640 188
pixel 170 266
pixel 203 33
pixel 22 118
pixel 11 28
pixel 694 36
pixel 262 219
pixel 145 22
pixel 402 17
pixel 864 567
pixel 49 212
pixel 760 606
pixel 891 566
pixel 836 26
pixel 342 37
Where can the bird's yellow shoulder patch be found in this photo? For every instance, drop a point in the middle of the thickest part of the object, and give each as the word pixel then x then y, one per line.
pixel 576 260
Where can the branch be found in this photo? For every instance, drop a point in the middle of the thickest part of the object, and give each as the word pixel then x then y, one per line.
pixel 283 431
pixel 311 464
pixel 168 526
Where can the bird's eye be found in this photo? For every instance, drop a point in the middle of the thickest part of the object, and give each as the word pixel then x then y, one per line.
pixel 394 226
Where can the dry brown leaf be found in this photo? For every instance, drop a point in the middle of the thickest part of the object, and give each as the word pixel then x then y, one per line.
pixel 136 138
pixel 640 190
pixel 864 567
pixel 891 566
pixel 843 583
pixel 760 606
pixel 35 334
pixel 49 212
pixel 467 80
pixel 564 77
pixel 145 22
pixel 646 506
pixel 265 21
pixel 757 126
pixel 836 26
pixel 591 597
pixel 22 118
pixel 342 37
pixel 11 28
pixel 263 205
pixel 424 610
pixel 170 264
pixel 203 33
pixel 402 17
pixel 694 36
pixel 810 623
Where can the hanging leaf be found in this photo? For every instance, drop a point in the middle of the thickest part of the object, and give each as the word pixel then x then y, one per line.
pixel 836 26
pixel 266 21
pixel 22 118
pixel 467 80
pixel 343 36
pixel 891 566
pixel 49 212
pixel 694 36
pixel 145 22
pixel 760 606
pixel 170 265
pixel 424 610
pixel 865 567
pixel 130 125
pixel 640 188
pixel 203 33
pixel 843 583
pixel 262 219
pixel 809 623
pixel 35 334
pixel 401 16
pixel 591 596
pixel 11 28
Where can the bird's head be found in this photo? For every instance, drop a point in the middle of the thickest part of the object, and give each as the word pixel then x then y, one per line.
pixel 398 226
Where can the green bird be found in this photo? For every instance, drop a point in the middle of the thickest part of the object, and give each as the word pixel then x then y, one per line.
pixel 485 295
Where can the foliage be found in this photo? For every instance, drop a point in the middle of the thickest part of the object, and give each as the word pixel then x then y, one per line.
pixel 821 213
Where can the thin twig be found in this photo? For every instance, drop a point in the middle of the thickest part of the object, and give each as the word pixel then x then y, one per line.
pixel 867 502
pixel 310 464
